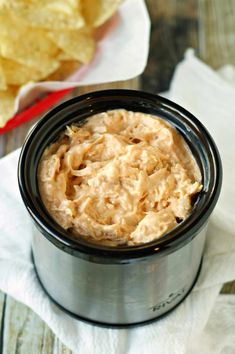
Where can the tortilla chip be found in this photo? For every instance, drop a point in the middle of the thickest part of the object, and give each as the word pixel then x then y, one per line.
pixel 19 74
pixel 96 12
pixel 51 14
pixel 62 56
pixel 3 84
pixel 7 104
pixel 25 45
pixel 66 69
pixel 78 44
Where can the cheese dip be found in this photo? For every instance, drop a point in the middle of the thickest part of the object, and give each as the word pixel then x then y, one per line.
pixel 122 178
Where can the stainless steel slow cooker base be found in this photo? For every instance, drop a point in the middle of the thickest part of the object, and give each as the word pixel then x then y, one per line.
pixel 117 294
pixel 119 286
pixel 114 325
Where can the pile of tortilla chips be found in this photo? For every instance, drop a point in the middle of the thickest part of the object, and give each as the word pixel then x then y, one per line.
pixel 45 40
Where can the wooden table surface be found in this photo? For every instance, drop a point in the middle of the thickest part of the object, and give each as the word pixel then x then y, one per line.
pixel 206 25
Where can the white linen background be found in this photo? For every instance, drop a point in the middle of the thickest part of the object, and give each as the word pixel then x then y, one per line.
pixel 186 330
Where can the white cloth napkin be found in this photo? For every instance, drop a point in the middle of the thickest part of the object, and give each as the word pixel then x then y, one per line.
pixel 218 337
pixel 186 330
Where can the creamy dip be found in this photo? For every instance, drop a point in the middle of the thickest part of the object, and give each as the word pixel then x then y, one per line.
pixel 122 178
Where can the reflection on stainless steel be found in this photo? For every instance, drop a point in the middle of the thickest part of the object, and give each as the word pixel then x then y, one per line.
pixel 117 293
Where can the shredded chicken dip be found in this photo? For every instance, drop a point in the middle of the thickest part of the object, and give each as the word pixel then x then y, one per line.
pixel 122 178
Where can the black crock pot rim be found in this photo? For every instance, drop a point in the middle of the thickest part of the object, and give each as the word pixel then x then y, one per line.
pixel 166 244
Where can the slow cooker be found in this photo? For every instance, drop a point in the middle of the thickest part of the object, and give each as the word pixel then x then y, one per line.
pixel 118 286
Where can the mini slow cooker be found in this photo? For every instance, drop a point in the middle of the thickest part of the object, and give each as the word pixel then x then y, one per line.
pixel 127 285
